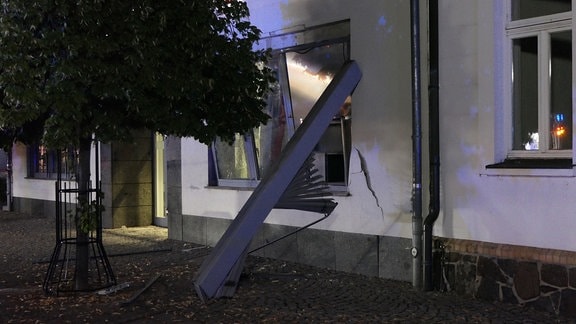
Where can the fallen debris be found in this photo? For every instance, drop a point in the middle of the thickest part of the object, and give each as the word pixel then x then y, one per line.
pixel 113 289
pixel 138 293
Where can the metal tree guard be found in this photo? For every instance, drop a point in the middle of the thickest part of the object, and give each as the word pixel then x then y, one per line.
pixel 63 269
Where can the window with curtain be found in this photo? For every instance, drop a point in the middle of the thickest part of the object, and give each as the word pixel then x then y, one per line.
pixel 540 74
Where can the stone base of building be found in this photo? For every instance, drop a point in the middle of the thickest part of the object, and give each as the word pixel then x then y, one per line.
pixel 541 278
pixel 34 208
pixel 38 208
pixel 370 255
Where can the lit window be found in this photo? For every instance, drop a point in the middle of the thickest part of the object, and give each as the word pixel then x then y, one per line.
pixel 303 71
pixel 43 162
pixel 539 35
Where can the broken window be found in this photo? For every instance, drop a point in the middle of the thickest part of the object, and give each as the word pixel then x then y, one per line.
pixel 305 62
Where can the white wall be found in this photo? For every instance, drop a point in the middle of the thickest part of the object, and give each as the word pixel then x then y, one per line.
pixel 525 210
pixel 23 187
pixel 478 204
pixel 28 188
pixel 381 133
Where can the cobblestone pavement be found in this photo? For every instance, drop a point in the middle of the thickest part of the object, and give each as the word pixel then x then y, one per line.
pixel 270 290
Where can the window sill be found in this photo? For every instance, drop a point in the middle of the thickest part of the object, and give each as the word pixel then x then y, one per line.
pixel 51 178
pixel 41 178
pixel 337 191
pixel 532 167
pixel 237 188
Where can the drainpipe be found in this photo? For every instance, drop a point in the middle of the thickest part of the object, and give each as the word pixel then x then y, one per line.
pixel 434 144
pixel 9 194
pixel 416 146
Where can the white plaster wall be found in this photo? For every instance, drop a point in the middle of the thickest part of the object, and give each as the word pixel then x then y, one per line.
pixel 523 210
pixel 528 210
pixel 381 132
pixel 23 187
pixel 197 199
pixel 28 188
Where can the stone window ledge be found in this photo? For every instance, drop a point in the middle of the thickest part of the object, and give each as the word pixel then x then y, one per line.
pixel 506 251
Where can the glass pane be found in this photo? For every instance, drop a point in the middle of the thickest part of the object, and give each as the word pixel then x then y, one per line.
pixel 42 166
pixel 309 73
pixel 561 86
pixel 523 9
pixel 271 138
pixel 231 159
pixel 525 93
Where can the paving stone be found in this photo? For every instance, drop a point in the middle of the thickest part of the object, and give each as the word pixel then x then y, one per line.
pixel 568 298
pixel 489 269
pixel 554 275
pixel 526 281
pixel 488 289
pixel 572 276
pixel 270 290
pixel 508 266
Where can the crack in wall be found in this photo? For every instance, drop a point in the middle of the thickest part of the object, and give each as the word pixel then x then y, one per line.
pixel 364 169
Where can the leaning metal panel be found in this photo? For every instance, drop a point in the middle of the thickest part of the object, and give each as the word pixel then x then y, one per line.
pixel 220 270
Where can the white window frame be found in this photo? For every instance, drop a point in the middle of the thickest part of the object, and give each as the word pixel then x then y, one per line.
pixel 254 176
pixel 540 27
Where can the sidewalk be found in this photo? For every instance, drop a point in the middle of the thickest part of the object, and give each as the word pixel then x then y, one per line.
pixel 270 290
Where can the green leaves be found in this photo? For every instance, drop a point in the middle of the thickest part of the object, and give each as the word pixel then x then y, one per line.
pixel 183 68
pixel 86 215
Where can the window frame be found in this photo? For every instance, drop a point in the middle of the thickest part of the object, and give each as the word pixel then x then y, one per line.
pixel 280 44
pixel 50 172
pixel 540 27
pixel 254 174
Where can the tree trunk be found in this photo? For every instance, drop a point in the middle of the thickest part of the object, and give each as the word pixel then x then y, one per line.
pixel 82 236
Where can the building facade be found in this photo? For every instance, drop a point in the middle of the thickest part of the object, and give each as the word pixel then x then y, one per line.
pixel 506 97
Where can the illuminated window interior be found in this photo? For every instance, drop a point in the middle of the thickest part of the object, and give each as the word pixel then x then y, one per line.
pixel 43 162
pixel 303 72
pixel 540 34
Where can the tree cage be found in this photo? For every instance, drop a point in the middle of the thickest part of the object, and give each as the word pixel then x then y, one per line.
pixel 79 261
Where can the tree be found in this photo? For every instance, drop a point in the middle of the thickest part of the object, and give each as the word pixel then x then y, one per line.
pixel 97 69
